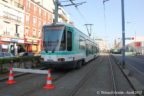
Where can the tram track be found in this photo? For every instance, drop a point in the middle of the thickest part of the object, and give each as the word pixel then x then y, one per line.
pixel 84 80
pixel 113 78
pixel 54 81
pixel 129 82
pixel 101 73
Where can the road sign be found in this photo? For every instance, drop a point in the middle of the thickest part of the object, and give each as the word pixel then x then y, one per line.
pixel 129 38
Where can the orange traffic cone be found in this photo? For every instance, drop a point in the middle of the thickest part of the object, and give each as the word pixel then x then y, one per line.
pixel 49 84
pixel 11 79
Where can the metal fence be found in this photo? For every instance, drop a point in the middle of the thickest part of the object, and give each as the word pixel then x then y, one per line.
pixel 21 63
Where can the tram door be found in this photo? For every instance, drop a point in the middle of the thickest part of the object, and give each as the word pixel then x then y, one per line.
pixel 87 50
pixel 69 40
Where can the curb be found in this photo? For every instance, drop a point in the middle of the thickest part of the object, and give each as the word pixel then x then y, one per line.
pixel 128 75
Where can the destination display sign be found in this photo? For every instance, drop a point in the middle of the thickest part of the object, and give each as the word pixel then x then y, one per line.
pixel 53 27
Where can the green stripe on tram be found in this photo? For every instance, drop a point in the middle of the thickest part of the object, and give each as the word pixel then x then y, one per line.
pixel 60 53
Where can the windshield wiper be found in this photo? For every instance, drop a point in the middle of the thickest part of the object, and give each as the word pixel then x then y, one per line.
pixel 55 47
pixel 45 47
pixel 53 50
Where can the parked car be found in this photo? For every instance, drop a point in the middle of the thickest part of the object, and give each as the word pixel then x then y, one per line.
pixel 26 54
pixel 6 54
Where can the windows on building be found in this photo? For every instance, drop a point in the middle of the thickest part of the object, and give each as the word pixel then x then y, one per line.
pixel 39 35
pixel 28 5
pixel 27 18
pixel 34 32
pixel 39 11
pixel 44 14
pixel 48 17
pixel 6 26
pixel 39 22
pixel 34 21
pixel 35 9
pixel 26 31
pixel 44 22
pixel 16 30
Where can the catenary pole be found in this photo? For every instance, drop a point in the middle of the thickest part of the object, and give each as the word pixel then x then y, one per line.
pixel 56 11
pixel 123 33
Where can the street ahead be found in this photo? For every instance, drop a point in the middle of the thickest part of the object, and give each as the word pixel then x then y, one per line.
pixel 97 78
pixel 135 64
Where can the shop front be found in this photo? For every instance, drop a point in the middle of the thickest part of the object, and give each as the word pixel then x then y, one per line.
pixel 13 45
pixel 5 44
pixel 32 45
pixel 3 47
pixel 17 46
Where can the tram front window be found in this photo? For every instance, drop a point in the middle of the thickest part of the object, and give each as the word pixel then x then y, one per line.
pixel 54 38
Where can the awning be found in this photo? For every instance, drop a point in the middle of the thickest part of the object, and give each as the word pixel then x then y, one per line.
pixel 2 42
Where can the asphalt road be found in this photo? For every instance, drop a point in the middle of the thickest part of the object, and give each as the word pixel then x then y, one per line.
pixel 93 79
pixel 135 64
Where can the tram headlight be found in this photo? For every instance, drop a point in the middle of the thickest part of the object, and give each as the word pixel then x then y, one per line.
pixel 61 59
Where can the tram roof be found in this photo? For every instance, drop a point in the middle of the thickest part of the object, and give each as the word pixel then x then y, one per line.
pixel 65 24
pixel 69 25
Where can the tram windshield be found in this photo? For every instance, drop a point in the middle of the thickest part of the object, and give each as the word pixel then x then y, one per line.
pixel 54 38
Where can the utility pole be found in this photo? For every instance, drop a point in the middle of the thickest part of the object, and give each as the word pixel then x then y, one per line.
pixel 58 4
pixel 89 29
pixel 104 1
pixel 123 33
pixel 56 11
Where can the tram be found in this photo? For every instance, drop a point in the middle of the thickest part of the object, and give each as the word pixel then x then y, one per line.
pixel 64 46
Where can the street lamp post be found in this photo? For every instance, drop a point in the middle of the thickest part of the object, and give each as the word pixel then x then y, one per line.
pixel 123 33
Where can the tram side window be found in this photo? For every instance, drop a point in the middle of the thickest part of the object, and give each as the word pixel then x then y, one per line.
pixel 90 49
pixel 69 41
pixel 87 49
pixel 82 44
pixel 63 42
pixel 95 49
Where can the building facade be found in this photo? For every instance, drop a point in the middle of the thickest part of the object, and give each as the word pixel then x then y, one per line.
pixel 133 45
pixel 63 16
pixel 101 43
pixel 21 23
pixel 12 24
pixel 35 17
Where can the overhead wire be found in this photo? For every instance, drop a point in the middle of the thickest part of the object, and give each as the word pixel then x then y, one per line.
pixel 83 17
pixel 105 22
pixel 78 10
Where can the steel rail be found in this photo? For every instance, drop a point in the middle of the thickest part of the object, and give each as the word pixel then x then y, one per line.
pixel 113 78
pixel 130 83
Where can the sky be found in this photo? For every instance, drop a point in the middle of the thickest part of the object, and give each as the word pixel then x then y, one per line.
pixel 109 29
